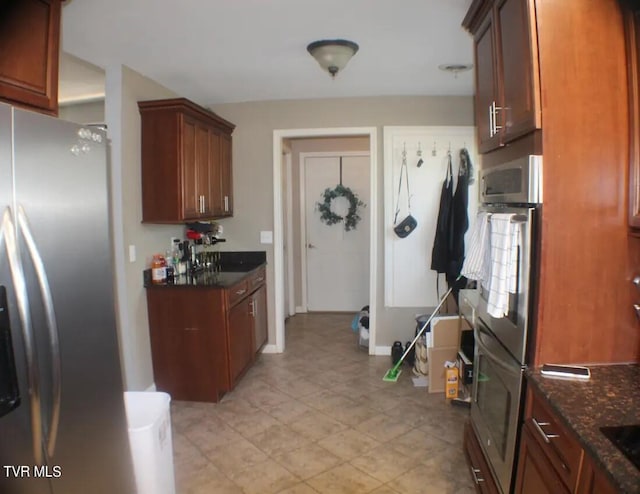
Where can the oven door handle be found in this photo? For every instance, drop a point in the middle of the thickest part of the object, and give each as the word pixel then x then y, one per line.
pixel 504 365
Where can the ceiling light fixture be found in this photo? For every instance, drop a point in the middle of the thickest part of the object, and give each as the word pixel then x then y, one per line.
pixel 333 54
pixel 455 68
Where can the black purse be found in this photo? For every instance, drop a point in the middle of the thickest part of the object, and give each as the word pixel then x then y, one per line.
pixel 409 223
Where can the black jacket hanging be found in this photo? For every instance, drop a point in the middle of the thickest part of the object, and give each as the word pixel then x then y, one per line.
pixel 443 241
pixel 460 225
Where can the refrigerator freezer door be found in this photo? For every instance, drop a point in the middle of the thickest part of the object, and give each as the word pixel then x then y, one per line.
pixel 16 434
pixel 61 186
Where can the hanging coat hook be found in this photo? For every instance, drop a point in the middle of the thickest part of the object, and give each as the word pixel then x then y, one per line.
pixel 434 152
pixel 420 161
pixel 419 153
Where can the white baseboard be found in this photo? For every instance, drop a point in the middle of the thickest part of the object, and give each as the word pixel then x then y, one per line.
pixel 270 349
pixel 151 388
pixel 383 350
pixel 300 310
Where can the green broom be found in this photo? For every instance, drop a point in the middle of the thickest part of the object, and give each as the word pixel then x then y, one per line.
pixel 393 374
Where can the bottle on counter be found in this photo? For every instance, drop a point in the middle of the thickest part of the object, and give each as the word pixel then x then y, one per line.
pixel 171 270
pixel 158 270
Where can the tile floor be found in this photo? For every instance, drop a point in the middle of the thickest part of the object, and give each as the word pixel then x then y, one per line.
pixel 319 419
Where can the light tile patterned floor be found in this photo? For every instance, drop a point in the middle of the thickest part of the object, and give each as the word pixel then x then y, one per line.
pixel 319 419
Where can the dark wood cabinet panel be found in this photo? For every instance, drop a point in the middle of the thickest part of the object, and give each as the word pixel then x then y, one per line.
pixel 535 473
pixel 507 75
pixel 478 466
pixel 520 112
pixel 186 162
pixel 594 481
pixel 260 318
pixel 240 335
pixel 29 53
pixel 204 339
pixel 487 91
pixel 632 32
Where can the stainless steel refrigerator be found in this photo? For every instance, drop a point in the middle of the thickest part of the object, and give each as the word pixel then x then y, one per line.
pixel 63 427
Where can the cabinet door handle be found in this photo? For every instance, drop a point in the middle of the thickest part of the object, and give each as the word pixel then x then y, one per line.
pixel 240 292
pixel 636 307
pixel 260 280
pixel 496 127
pixel 539 425
pixel 474 474
pixel 636 281
pixel 491 120
pixel 253 308
pixel 191 329
pixel 226 203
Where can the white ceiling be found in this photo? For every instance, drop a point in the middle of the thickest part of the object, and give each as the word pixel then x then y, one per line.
pixel 219 51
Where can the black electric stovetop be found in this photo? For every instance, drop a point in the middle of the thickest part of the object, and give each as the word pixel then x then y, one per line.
pixel 627 439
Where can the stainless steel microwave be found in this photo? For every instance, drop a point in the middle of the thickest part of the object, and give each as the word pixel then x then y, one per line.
pixel 516 182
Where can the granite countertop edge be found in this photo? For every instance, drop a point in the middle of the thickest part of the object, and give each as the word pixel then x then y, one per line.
pixel 227 275
pixel 610 398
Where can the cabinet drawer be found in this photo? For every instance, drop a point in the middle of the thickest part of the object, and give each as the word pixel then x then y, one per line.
pixel 478 466
pixel 237 292
pixel 257 279
pixel 563 451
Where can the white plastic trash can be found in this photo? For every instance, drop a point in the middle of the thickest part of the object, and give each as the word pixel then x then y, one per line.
pixel 149 421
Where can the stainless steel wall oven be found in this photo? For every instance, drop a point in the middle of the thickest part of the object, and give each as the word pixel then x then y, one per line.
pixel 514 191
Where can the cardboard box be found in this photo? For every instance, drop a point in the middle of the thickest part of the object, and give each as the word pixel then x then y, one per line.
pixel 451 384
pixel 445 339
pixel 437 357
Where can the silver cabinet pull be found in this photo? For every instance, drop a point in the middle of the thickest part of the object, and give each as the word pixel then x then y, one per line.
pixel 539 425
pixel 260 280
pixel 636 307
pixel 636 281
pixel 192 329
pixel 496 127
pixel 7 234
pixel 474 474
pixel 240 292
pixel 491 120
pixel 226 203
pixel 252 304
pixel 52 325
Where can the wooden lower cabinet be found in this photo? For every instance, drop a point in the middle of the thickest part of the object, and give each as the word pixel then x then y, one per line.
pixel 203 339
pixel 593 481
pixel 535 473
pixel 478 466
pixel 551 460
pixel 260 318
pixel 240 334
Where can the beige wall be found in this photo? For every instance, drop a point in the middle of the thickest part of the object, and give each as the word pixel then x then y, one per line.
pixel 253 169
pixel 124 88
pixel 83 113
pixel 328 144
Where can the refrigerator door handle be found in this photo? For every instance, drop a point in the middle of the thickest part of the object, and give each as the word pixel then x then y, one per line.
pixel 8 235
pixel 52 326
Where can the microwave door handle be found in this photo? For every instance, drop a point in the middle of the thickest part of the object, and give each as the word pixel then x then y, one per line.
pixel 52 326
pixel 8 234
pixel 505 366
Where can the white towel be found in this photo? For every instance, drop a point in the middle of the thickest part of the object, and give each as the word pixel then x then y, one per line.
pixel 477 262
pixel 504 239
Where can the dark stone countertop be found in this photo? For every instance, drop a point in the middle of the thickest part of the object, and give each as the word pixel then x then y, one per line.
pixel 208 278
pixel 610 398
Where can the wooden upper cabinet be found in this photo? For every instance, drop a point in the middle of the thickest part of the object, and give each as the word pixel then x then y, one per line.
pixel 507 75
pixel 519 57
pixel 632 32
pixel 487 80
pixel 29 53
pixel 184 167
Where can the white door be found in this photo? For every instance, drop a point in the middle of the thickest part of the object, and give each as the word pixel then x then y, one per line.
pixel 337 261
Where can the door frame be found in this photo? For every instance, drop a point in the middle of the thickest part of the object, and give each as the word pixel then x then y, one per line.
pixel 290 303
pixel 303 211
pixel 278 223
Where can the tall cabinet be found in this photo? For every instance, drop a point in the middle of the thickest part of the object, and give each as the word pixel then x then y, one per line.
pixel 186 162
pixel 545 70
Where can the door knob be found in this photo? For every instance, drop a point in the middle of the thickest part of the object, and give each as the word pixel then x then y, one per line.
pixel 636 307
pixel 636 281
pixel 311 246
